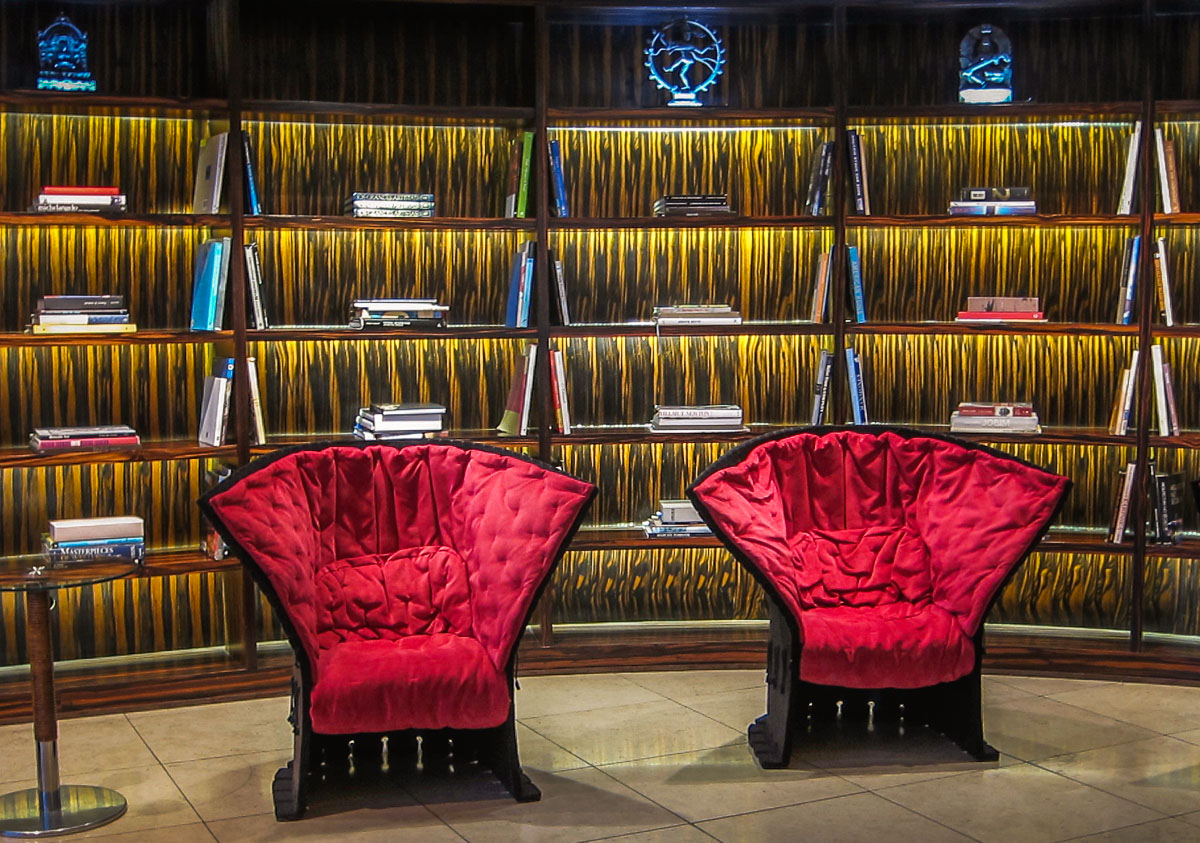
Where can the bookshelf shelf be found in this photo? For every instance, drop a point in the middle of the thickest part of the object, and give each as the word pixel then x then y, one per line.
pixel 150 451
pixel 983 114
pixel 1064 329
pixel 1014 221
pixel 178 336
pixel 638 434
pixel 1050 435
pixel 430 114
pixel 343 223
pixel 45 102
pixel 30 218
pixel 173 563
pixel 322 333
pixel 647 329
pixel 485 436
pixel 659 223
pixel 663 116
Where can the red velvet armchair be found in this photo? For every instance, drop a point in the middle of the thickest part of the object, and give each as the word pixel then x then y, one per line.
pixel 403 577
pixel 880 550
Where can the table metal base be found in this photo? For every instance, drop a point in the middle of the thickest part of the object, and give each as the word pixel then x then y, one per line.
pixel 82 806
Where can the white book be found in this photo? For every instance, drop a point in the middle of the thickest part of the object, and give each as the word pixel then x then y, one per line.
pixel 678 512
pixel 530 361
pixel 1125 204
pixel 1130 391
pixel 858 401
pixel 210 175
pixel 254 282
pixel 1118 532
pixel 698 411
pixel 259 429
pixel 108 527
pixel 560 389
pixel 1164 184
pixel 994 424
pixel 821 391
pixel 1160 390
pixel 213 410
pixel 1162 274
pixel 1119 404
pixel 88 199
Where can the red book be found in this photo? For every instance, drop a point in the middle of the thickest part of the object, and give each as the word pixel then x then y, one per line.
pixel 88 442
pixel 1000 316
pixel 67 190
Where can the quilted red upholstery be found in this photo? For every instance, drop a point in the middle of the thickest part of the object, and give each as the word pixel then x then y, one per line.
pixel 887 548
pixel 406 573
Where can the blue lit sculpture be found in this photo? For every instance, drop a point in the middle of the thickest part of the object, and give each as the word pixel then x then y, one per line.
pixel 685 57
pixel 985 66
pixel 62 54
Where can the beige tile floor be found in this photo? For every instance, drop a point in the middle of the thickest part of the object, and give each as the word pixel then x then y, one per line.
pixel 662 758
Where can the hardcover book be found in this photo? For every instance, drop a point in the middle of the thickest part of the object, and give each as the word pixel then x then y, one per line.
pixel 210 175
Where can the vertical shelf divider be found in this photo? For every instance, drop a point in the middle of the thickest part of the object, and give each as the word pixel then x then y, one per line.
pixel 838 393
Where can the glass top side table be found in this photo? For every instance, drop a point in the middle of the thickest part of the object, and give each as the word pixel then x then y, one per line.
pixel 52 808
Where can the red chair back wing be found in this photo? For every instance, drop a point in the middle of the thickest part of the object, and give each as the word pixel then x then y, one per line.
pixel 979 513
pixel 509 518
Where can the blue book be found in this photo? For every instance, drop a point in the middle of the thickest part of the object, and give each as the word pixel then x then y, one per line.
pixel 204 285
pixel 559 182
pixel 252 204
pixel 858 402
pixel 514 288
pixel 856 284
pixel 526 286
pixel 1132 273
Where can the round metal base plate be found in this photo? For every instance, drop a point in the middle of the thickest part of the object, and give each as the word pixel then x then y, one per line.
pixel 83 807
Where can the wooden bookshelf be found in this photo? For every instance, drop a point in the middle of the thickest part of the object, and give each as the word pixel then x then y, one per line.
pixel 370 111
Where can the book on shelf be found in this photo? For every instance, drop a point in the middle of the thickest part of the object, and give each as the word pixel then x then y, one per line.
pixel 558 386
pixel 398 421
pixel 258 420
pixel 1163 153
pixel 561 313
pixel 207 284
pixel 512 184
pixel 697 418
pixel 678 511
pixel 96 438
pixel 215 401
pixel 1172 168
pixel 821 389
pixel 389 213
pixel 82 304
pixel 696 314
pixel 212 545
pixel 1119 522
pixel 1162 282
pixel 515 421
pixel 1001 309
pixel 816 203
pixel 691 205
pixel 994 194
pixel 1168 493
pixel 656 528
pixel 526 174
pixel 210 174
pixel 994 417
pixel 358 203
pixel 122 527
pixel 1129 182
pixel 66 199
pixel 1169 391
pixel 854 377
pixel 821 275
pixel 92 328
pixel 993 209
pixel 557 180
pixel 1122 412
pixel 98 318
pixel 253 205
pixel 254 283
pixel 129 549
pixel 1129 279
pixel 858 173
pixel 520 286
pixel 854 268
pixel 1164 393
pixel 385 313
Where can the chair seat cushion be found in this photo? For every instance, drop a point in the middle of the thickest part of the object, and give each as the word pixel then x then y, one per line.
pixel 890 646
pixel 435 681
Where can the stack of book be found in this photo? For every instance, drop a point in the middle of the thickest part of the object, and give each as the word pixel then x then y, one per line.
pixel 521 286
pixel 1001 309
pixel 380 422
pixel 1130 262
pixel 375 314
pixel 1167 495
pixel 697 314
pixel 692 205
pixel 389 205
pixel 1166 412
pixel 63 199
pixel 675 519
pixel 104 437
pixel 81 539
pixel 994 417
pixel 1167 169
pixel 697 418
pixel 994 201
pixel 102 314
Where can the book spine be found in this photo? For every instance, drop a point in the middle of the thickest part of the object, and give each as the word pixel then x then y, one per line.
pixel 254 282
pixel 1160 155
pixel 133 551
pixel 1160 390
pixel 79 190
pixel 681 413
pixel 560 284
pixel 83 318
pixel 856 172
pixel 252 203
pixel 389 204
pixel 526 297
pixel 513 181
pixel 527 390
pixel 819 391
pixel 97 328
pixel 87 442
pixel 558 180
pixel 1118 532
pixel 1125 203
pixel 812 199
pixel 1162 275
pixel 1130 392
pixel 1172 175
pixel 1131 287
pixel 391 197
pixel 391 213
pixel 256 407
pixel 856 284
pixel 1169 392
pixel 222 283
pixel 526 166
pixel 76 208
pixel 854 379
pixel 81 303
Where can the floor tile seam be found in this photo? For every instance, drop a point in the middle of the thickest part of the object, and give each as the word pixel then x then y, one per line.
pixel 1107 830
pixel 1123 742
pixel 682 819
pixel 859 792
pixel 661 699
pixel 553 742
pixel 174 761
pixel 626 761
pixel 1106 792
pixel 647 831
pixel 952 775
pixel 417 803
pixel 741 731
pixel 1109 716
pixel 758 683
pixel 933 820
pixel 195 810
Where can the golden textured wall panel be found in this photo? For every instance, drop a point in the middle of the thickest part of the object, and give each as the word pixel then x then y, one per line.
pixel 619 276
pixel 1072 168
pixel 915 274
pixel 619 380
pixel 310 277
pixel 1172 596
pixel 151 158
pixel 641 585
pixel 1067 589
pixel 619 172
pixel 151 267
pixel 318 387
pixel 311 165
pixel 1072 381
pixel 123 617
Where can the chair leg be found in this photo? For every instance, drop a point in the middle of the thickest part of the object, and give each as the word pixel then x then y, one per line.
pixel 498 751
pixel 956 710
pixel 289 790
pixel 771 735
